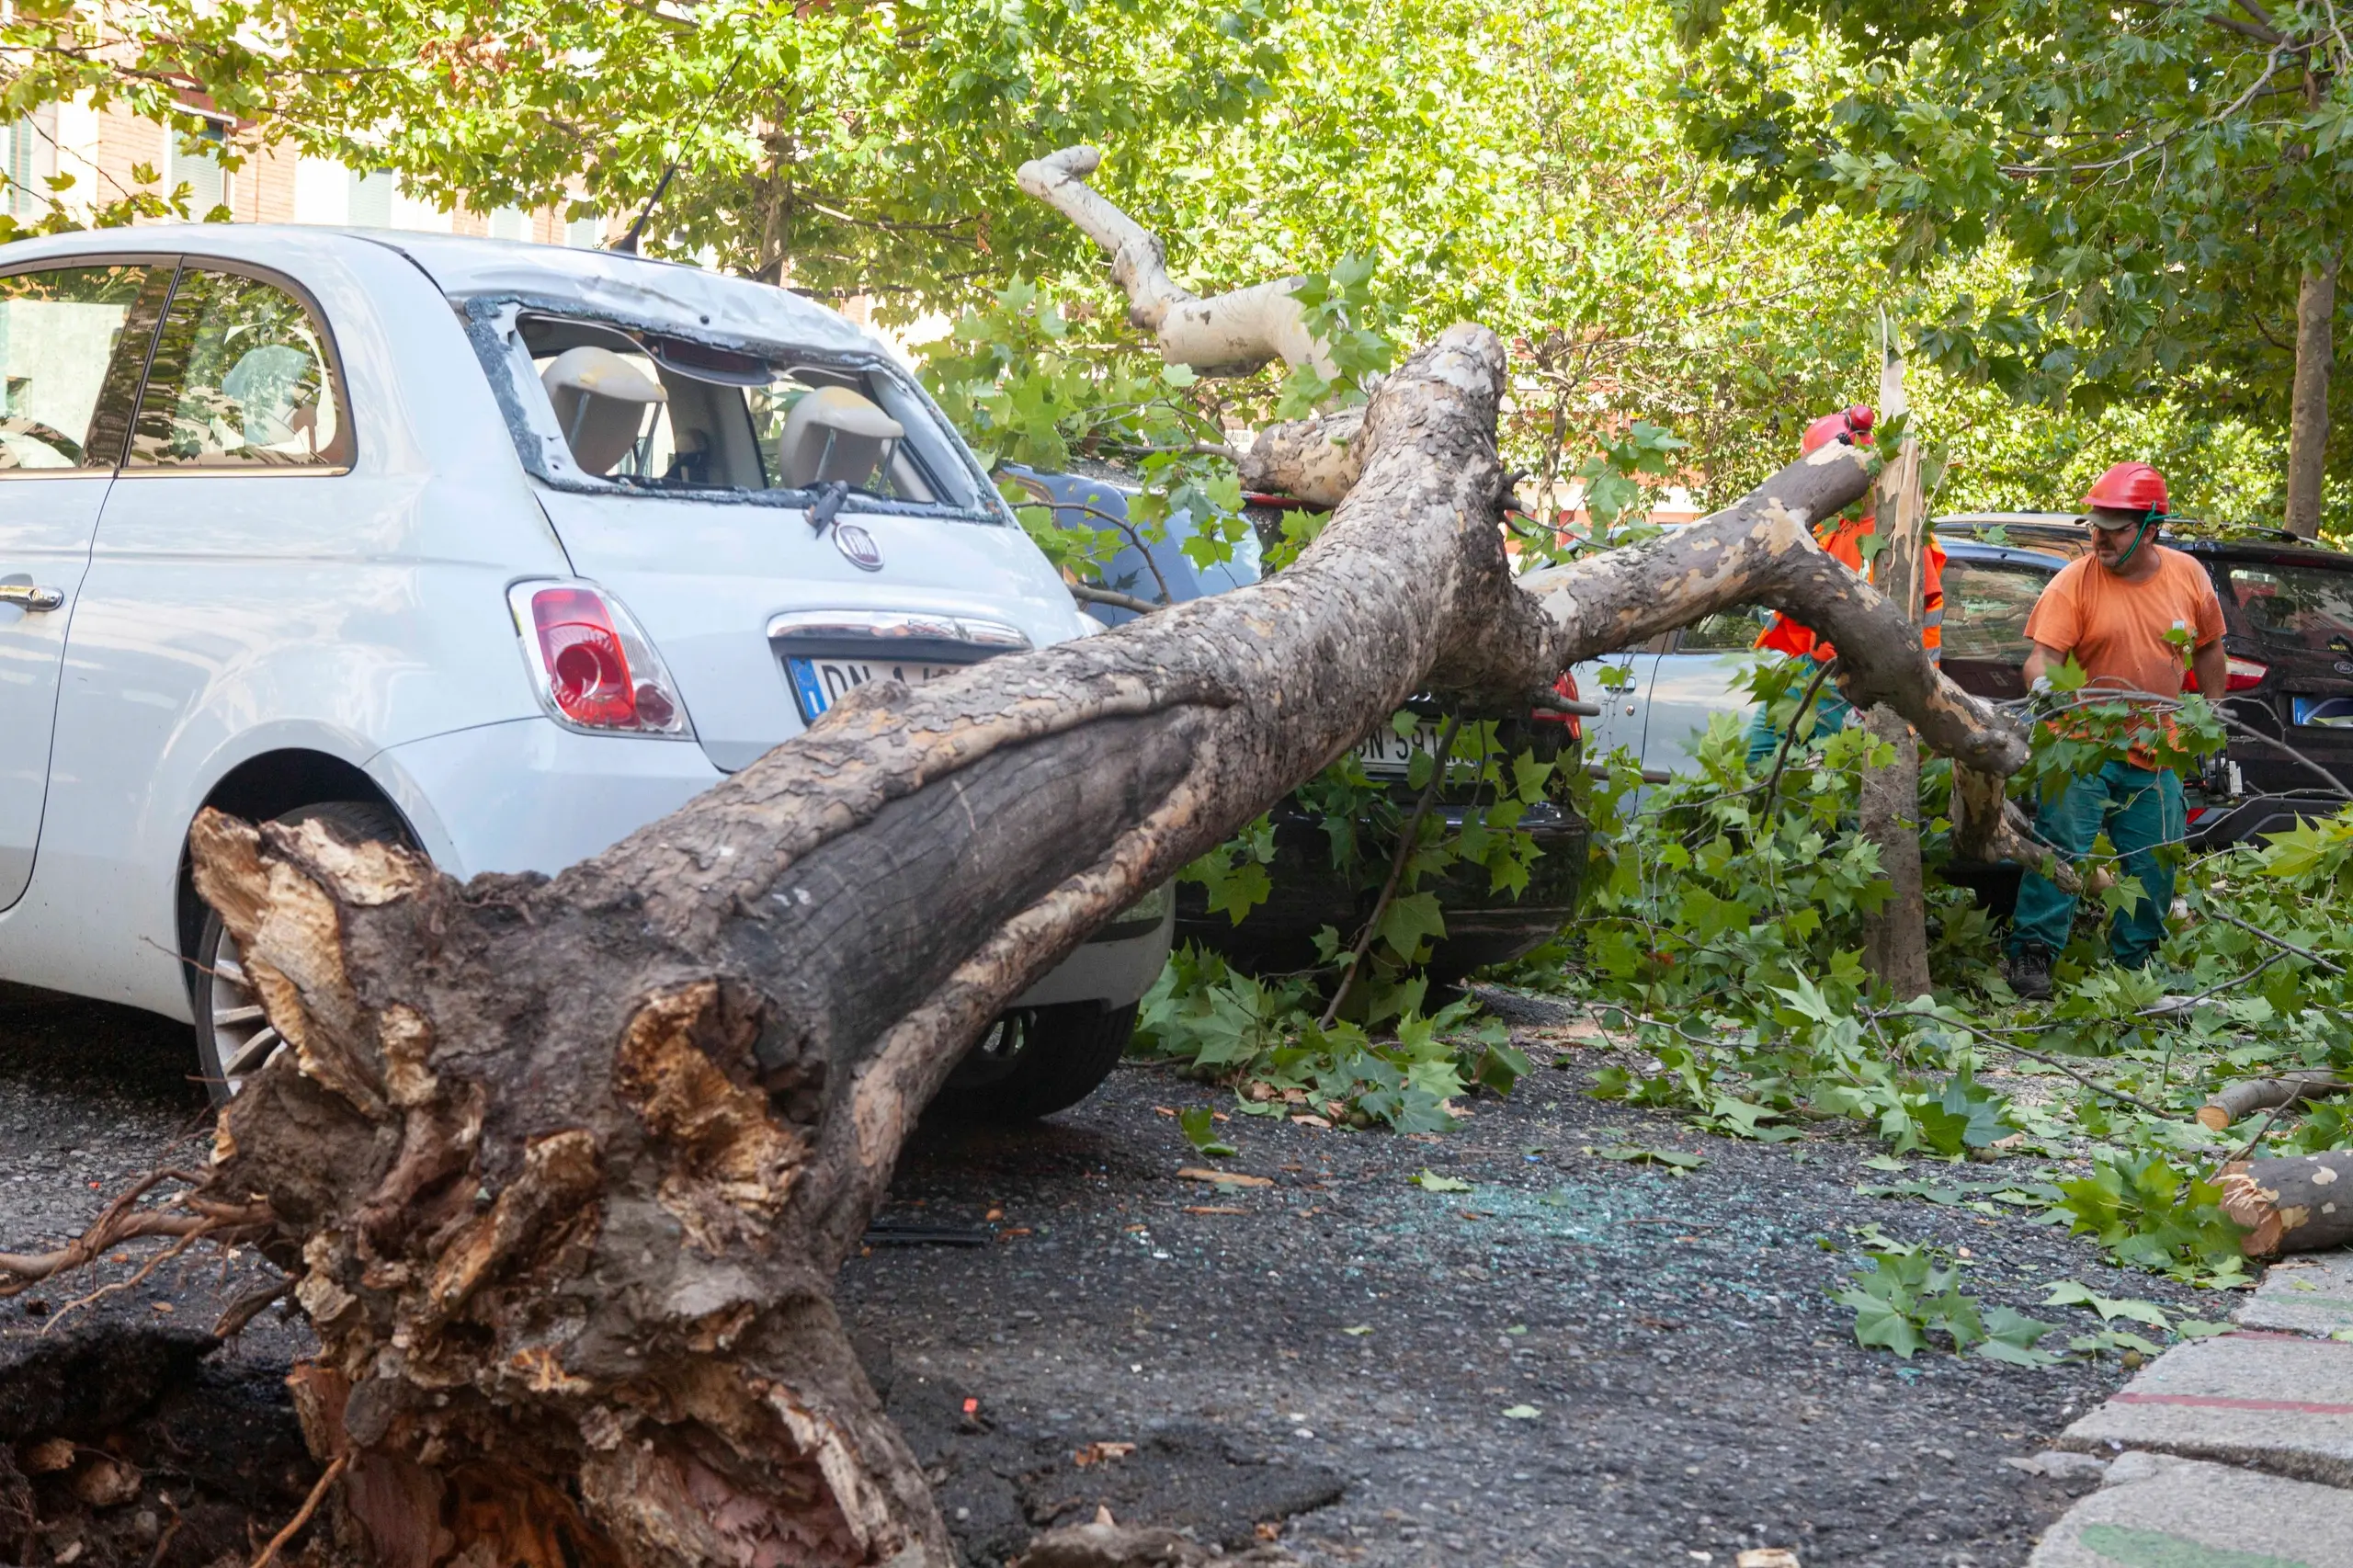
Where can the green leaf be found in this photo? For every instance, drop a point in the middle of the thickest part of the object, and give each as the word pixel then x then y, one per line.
pixel 1409 920
pixel 1198 1124
pixel 1637 1155
pixel 1880 1324
pixel 1430 1182
pixel 1501 1067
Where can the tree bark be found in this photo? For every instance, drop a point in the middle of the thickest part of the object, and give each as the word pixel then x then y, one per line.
pixel 2237 1101
pixel 2308 409
pixel 1895 939
pixel 1230 334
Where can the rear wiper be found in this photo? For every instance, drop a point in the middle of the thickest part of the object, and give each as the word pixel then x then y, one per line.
pixel 828 506
pixel 834 492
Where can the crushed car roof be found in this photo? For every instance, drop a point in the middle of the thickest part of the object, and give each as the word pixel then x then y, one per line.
pixel 659 293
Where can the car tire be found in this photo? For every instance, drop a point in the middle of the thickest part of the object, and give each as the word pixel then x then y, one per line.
pixel 233 1041
pixel 1036 1061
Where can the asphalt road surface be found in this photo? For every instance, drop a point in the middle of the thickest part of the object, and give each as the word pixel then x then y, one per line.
pixel 1578 1360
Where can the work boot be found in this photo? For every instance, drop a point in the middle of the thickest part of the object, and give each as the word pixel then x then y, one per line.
pixel 2028 972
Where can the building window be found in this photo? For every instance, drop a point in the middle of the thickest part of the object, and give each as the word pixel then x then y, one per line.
pixel 196 164
pixel 31 148
pixel 584 234
pixel 510 224
pixel 371 200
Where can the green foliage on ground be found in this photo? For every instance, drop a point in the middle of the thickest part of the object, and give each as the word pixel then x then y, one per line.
pixel 1267 1040
pixel 1723 938
pixel 1911 1293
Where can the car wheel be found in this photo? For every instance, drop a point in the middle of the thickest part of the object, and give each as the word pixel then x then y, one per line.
pixel 234 1039
pixel 1036 1061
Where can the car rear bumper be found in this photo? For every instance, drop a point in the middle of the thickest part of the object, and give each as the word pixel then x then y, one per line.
pixel 529 795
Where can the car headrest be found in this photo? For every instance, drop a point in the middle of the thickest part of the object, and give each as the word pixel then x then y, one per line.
pixel 600 400
pixel 833 434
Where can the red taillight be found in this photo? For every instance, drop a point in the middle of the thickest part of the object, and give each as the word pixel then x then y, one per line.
pixel 587 672
pixel 1566 687
pixel 597 671
pixel 2246 675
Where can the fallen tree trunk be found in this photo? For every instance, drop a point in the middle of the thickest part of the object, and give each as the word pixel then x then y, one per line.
pixel 2237 1101
pixel 567 1168
pixel 563 1169
pixel 2291 1203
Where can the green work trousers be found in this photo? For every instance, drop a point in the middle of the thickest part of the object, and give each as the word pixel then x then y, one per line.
pixel 2141 808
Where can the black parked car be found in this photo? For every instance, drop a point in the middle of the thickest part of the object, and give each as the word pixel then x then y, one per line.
pixel 1482 927
pixel 2288 620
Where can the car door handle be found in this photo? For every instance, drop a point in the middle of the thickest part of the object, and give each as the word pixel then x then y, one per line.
pixel 24 596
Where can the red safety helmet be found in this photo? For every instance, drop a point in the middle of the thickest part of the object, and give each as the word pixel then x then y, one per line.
pixel 1852 425
pixel 2129 487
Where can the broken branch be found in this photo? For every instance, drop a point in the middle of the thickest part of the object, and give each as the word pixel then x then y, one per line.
pixel 2235 1102
pixel 1230 334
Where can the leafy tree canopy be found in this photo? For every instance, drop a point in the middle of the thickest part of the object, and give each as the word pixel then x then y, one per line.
pixel 1525 165
pixel 2159 172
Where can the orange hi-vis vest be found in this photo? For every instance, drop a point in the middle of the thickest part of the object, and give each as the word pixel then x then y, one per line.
pixel 1843 537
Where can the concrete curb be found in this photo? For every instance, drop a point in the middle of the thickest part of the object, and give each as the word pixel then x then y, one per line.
pixel 2158 1512
pixel 2232 1452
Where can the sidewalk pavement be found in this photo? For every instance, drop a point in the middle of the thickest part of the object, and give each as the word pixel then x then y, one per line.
pixel 2232 1452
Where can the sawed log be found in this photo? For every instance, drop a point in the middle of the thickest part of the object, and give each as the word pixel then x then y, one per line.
pixel 2237 1101
pixel 2290 1203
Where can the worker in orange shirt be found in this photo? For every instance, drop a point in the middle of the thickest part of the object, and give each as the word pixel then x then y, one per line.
pixel 2124 613
pixel 1842 536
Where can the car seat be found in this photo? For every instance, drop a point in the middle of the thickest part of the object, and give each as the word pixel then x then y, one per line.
pixel 600 401
pixel 835 435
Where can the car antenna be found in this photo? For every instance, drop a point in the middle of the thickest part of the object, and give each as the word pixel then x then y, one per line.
pixel 626 244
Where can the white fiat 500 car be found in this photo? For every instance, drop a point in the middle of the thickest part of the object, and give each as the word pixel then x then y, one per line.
pixel 500 549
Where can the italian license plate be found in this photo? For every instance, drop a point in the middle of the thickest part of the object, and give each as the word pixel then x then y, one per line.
pixel 1385 751
pixel 818 683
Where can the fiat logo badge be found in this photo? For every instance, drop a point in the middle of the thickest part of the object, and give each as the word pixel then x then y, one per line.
pixel 859 545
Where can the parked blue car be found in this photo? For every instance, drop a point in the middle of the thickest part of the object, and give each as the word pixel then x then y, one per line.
pixel 1100 501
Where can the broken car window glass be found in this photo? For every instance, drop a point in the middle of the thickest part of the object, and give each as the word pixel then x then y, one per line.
pixel 653 413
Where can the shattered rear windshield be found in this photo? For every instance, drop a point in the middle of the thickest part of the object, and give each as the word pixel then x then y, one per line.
pixel 632 409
